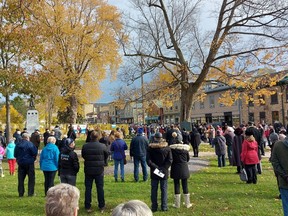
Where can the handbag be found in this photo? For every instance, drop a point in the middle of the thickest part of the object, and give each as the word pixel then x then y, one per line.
pixel 243 175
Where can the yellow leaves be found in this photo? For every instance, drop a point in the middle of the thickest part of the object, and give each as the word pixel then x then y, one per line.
pixel 16 117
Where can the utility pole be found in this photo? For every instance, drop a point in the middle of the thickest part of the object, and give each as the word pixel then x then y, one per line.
pixel 142 89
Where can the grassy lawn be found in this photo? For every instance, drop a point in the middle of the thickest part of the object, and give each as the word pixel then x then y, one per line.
pixel 214 191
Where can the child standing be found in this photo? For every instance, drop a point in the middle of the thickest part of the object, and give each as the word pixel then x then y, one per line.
pixel 10 156
pixel 2 151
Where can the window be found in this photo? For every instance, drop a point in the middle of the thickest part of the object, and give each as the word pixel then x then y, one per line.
pixel 212 101
pixel 274 98
pixel 251 117
pixel 262 116
pixel 261 99
pixel 193 106
pixel 176 107
pixel 250 100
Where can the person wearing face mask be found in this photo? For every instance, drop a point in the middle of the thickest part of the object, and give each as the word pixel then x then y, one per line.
pixel 68 163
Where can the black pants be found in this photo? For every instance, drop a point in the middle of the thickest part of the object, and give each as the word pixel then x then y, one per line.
pixel 195 150
pixel 251 173
pixel 49 177
pixel 184 183
pixel 23 170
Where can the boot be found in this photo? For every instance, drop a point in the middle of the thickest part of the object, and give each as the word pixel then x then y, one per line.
pixel 187 200
pixel 177 198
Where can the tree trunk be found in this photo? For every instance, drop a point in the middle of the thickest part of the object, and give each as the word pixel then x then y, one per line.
pixel 73 109
pixel 8 121
pixel 186 103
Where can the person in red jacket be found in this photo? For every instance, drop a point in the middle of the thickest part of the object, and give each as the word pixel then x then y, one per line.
pixel 249 156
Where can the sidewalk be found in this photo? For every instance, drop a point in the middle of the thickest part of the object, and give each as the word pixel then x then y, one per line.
pixel 195 164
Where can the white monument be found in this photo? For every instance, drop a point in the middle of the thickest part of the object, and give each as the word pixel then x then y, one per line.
pixel 32 117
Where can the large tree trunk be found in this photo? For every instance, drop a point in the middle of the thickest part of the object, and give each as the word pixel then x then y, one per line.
pixel 8 120
pixel 73 109
pixel 186 103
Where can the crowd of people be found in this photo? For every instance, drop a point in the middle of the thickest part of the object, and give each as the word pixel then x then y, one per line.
pixel 163 149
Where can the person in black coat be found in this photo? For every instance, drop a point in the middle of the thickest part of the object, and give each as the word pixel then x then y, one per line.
pixel 95 156
pixel 185 136
pixel 68 163
pixel 159 157
pixel 195 140
pixel 71 133
pixel 180 171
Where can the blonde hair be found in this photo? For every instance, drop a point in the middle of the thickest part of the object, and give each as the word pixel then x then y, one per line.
pixel 117 135
pixel 62 199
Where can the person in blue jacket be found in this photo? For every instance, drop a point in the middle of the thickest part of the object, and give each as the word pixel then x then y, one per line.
pixel 49 158
pixel 25 154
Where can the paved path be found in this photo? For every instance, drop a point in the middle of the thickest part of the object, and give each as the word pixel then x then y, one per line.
pixel 195 163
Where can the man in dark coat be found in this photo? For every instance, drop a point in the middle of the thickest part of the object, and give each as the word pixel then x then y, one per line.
pixel 95 156
pixel 35 138
pixel 138 150
pixel 25 154
pixel 159 157
pixel 195 139
pixel 45 136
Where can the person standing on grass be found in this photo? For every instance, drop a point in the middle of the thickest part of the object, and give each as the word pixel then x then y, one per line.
pixel 9 151
pixel 49 158
pixel 180 171
pixel 95 156
pixel 195 139
pixel 25 154
pixel 138 150
pixel 118 148
pixel 237 148
pixel 279 161
pixel 249 156
pixel 159 157
pixel 220 148
pixel 68 163
pixel 2 152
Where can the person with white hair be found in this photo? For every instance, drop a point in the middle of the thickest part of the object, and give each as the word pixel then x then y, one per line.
pixel 49 158
pixel 62 199
pixel 132 208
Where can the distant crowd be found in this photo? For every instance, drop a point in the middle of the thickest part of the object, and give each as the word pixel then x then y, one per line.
pixel 164 149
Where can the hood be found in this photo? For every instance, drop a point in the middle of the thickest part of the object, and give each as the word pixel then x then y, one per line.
pixel 180 146
pixel 250 138
pixel 158 145
pixel 50 147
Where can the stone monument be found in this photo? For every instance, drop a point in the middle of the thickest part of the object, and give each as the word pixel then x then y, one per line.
pixel 32 117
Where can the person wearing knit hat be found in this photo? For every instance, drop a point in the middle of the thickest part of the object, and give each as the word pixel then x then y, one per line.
pixel 68 163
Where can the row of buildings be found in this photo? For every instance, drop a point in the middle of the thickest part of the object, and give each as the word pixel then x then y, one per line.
pixel 272 108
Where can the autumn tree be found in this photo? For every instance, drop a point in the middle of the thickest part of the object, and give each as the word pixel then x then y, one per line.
pixel 16 51
pixel 240 36
pixel 81 37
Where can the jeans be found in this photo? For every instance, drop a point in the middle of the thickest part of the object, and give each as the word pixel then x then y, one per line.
pixel 49 177
pixel 143 165
pixel 99 181
pixel 23 170
pixel 229 151
pixel 116 165
pixel 184 183
pixel 69 179
pixel 284 197
pixel 154 192
pixel 221 161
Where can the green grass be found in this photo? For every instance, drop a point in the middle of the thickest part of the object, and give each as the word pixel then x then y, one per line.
pixel 214 191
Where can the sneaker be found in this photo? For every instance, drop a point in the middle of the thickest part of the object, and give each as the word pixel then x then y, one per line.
pixel 89 210
pixel 102 210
